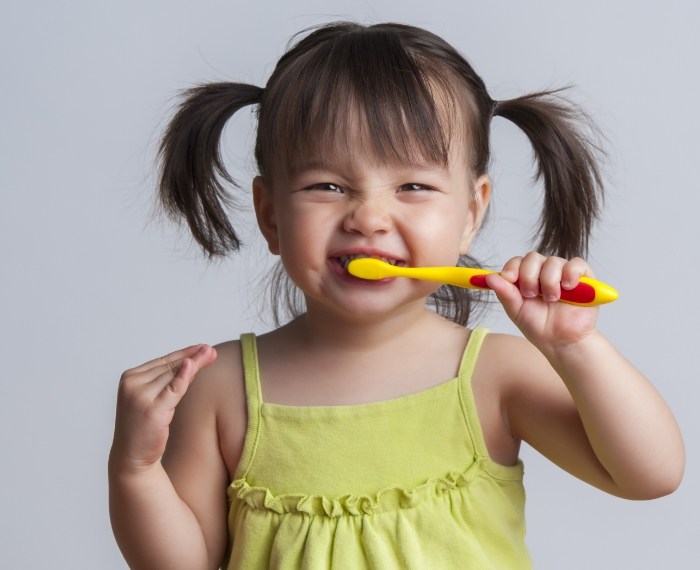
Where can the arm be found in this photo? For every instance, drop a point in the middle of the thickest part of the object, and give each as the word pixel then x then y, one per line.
pixel 157 525
pixel 574 397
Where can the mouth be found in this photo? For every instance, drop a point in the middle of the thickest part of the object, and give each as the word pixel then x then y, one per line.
pixel 344 260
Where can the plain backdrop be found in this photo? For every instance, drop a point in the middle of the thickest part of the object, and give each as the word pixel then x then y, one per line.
pixel 90 284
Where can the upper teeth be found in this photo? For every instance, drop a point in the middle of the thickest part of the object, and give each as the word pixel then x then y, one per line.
pixel 345 259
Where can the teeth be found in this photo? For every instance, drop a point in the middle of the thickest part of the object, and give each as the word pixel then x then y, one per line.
pixel 345 259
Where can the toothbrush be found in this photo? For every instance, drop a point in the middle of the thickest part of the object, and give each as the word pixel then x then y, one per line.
pixel 587 293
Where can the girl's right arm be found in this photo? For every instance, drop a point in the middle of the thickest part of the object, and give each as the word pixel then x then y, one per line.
pixel 153 525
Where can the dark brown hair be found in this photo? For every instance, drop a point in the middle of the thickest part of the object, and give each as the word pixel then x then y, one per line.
pixel 413 95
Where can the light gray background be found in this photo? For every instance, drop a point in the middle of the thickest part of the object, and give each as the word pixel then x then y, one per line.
pixel 90 287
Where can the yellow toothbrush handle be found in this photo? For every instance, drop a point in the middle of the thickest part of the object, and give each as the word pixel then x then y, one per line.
pixel 467 277
pixel 588 292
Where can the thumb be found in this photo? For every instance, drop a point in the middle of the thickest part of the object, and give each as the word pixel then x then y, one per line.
pixel 173 391
pixel 507 293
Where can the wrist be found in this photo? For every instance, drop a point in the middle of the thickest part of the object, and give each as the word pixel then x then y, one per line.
pixel 581 350
pixel 120 465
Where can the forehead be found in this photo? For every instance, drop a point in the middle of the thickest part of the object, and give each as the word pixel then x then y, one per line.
pixel 352 154
pixel 375 98
pixel 377 135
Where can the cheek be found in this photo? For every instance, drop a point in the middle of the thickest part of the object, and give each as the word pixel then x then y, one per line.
pixel 440 241
pixel 445 227
pixel 303 240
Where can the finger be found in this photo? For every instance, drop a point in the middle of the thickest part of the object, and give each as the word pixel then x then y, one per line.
pixel 572 272
pixel 508 294
pixel 156 378
pixel 154 368
pixel 169 388
pixel 511 269
pixel 171 360
pixel 550 278
pixel 529 274
pixel 203 357
pixel 151 376
pixel 175 387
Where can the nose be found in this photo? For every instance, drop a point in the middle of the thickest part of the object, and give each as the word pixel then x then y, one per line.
pixel 367 217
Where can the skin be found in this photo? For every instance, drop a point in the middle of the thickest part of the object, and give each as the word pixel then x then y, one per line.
pixel 564 388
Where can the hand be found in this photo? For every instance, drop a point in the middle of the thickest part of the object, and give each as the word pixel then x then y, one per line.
pixel 146 401
pixel 533 306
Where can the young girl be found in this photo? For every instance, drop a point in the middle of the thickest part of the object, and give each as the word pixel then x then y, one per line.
pixel 374 429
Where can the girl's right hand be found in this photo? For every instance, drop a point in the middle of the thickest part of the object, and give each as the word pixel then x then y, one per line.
pixel 146 401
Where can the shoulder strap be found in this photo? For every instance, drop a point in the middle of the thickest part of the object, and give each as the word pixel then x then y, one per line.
pixel 466 395
pixel 251 373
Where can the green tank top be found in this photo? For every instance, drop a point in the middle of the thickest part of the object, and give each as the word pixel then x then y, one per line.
pixel 395 484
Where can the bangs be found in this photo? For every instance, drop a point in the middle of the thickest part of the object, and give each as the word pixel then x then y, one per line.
pixel 366 87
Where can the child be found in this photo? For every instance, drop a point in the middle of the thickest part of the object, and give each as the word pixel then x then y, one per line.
pixel 370 431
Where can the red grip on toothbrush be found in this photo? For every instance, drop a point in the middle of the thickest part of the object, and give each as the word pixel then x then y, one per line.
pixel 479 281
pixel 583 292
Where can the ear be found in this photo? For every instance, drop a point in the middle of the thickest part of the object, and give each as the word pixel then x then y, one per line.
pixel 477 211
pixel 265 213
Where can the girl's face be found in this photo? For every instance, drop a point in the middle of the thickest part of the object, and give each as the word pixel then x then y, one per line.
pixel 324 213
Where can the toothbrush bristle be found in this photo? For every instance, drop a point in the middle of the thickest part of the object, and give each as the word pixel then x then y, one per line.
pixel 367 268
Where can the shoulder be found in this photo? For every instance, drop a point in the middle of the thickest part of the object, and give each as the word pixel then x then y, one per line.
pixel 221 380
pixel 514 385
pixel 527 386
pixel 494 375
pixel 216 402
pixel 500 359
pixel 508 357
pixel 515 365
pixel 227 371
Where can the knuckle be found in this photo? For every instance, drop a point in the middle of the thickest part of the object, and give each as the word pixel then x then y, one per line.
pixel 127 387
pixel 126 376
pixel 128 393
pixel 176 388
pixel 130 388
pixel 172 365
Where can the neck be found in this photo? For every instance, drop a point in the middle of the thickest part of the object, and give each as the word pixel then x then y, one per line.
pixel 320 327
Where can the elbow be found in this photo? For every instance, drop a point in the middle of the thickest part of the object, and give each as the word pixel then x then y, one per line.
pixel 670 475
pixel 671 481
pixel 665 476
pixel 662 482
pixel 660 489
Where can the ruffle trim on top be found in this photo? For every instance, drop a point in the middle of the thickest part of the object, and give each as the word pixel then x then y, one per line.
pixel 389 499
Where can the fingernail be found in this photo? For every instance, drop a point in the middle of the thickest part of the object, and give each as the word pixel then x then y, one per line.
pixel 529 294
pixel 551 298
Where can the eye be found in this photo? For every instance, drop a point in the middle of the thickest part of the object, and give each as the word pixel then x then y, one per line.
pixel 325 187
pixel 415 187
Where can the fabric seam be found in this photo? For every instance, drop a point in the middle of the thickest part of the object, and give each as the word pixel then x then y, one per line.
pixel 251 374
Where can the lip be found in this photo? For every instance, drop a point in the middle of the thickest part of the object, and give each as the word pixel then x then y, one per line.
pixel 368 252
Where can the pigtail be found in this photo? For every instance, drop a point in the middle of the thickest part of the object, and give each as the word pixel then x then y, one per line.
pixel 191 169
pixel 563 139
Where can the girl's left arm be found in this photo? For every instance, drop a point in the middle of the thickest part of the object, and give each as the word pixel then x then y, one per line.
pixel 576 398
